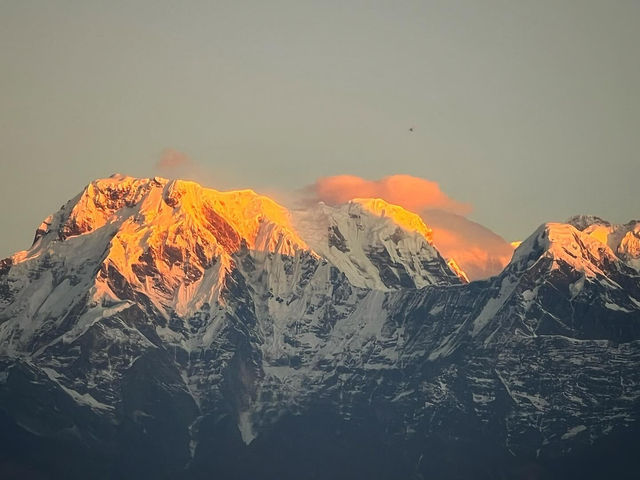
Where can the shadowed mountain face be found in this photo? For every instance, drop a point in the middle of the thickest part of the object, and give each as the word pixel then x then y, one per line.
pixel 156 329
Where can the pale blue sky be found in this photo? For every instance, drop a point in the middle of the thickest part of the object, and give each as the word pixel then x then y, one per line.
pixel 529 111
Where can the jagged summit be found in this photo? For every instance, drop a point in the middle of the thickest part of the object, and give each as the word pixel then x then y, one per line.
pixel 160 202
pixel 171 239
pixel 561 242
pixel 591 249
pixel 622 239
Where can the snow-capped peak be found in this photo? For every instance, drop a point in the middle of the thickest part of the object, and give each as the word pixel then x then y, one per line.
pixel 235 216
pixel 622 239
pixel 591 250
pixel 375 244
pixel 172 240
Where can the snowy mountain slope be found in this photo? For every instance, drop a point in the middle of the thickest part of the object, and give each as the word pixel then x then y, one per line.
pixel 560 281
pixel 375 244
pixel 156 328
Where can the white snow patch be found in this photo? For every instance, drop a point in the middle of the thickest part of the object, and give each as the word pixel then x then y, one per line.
pixel 538 402
pixel 572 432
pixel 617 308
pixel 493 305
pixel 576 287
pixel 482 399
pixel 402 395
pixel 246 427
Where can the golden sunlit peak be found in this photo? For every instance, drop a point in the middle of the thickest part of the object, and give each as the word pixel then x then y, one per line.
pixel 174 207
pixel 404 218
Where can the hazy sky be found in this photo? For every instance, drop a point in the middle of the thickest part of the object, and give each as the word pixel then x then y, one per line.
pixel 527 111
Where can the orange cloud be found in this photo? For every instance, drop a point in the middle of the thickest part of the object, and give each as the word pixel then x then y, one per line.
pixel 412 193
pixel 480 252
pixel 173 159
pixel 477 250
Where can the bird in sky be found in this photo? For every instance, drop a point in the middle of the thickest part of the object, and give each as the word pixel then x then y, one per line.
pixel 411 129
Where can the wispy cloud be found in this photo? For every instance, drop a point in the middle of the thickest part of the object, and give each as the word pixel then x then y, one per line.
pixel 173 160
pixel 174 164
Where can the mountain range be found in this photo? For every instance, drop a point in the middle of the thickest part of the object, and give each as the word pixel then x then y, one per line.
pixel 160 329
